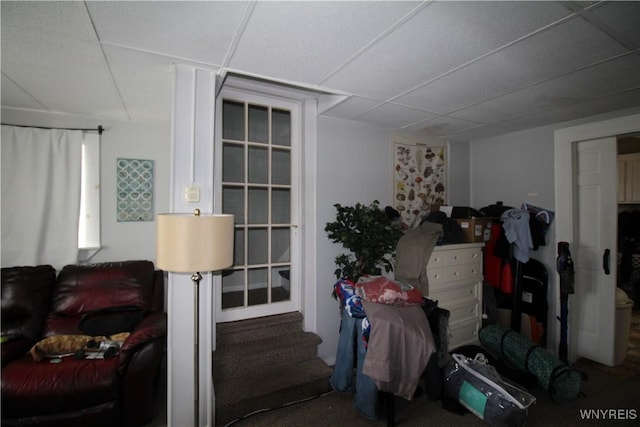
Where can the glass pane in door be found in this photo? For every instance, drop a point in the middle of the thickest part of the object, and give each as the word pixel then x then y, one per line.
pixel 258 165
pixel 258 286
pixel 233 120
pixel 258 124
pixel 257 189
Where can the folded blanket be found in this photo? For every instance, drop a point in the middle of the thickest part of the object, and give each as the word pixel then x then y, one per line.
pixel 383 290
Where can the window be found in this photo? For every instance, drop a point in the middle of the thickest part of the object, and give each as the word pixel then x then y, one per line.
pixel 89 224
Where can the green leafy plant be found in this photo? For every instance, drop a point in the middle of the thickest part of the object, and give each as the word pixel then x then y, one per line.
pixel 369 234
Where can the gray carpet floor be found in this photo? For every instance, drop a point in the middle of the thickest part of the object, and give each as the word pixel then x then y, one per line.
pixel 601 391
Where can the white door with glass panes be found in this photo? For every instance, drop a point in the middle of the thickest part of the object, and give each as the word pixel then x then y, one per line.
pixel 257 181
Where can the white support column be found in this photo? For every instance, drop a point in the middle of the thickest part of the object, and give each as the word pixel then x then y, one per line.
pixel 191 166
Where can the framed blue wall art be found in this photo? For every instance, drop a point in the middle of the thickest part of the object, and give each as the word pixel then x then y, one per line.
pixel 134 190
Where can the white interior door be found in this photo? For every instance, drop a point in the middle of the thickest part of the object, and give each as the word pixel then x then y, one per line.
pixel 257 141
pixel 595 226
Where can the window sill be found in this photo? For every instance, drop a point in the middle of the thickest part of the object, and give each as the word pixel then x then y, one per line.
pixel 85 254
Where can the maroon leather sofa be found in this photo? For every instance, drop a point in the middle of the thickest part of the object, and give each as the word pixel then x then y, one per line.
pixel 116 391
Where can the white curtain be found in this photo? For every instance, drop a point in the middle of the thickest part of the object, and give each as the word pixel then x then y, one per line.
pixel 41 173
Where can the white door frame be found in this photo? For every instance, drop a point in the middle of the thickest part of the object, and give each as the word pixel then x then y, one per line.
pixel 565 196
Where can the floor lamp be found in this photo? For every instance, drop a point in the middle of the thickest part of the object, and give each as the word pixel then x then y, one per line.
pixel 193 244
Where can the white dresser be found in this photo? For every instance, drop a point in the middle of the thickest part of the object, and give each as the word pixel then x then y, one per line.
pixel 455 281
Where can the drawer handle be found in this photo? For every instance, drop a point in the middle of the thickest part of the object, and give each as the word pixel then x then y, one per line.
pixel 474 256
pixel 456 273
pixel 437 276
pixel 473 270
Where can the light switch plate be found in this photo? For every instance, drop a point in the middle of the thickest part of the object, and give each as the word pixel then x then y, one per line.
pixel 192 194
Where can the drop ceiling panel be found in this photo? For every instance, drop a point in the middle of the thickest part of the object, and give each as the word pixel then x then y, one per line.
pixel 621 17
pixel 443 36
pixel 145 81
pixel 497 110
pixel 444 68
pixel 611 102
pixel 352 107
pixel 304 41
pixel 479 132
pixel 440 126
pixel 63 74
pixel 551 53
pixel 394 116
pixel 199 31
pixel 613 77
pixel 14 96
pixel 68 19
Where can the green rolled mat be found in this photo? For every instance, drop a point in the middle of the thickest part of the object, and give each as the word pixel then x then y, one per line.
pixel 562 382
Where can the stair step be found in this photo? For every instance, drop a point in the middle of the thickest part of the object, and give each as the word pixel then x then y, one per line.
pixel 259 328
pixel 258 385
pixel 265 363
pixel 259 355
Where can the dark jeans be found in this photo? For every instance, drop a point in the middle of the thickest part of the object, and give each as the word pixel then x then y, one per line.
pixel 366 392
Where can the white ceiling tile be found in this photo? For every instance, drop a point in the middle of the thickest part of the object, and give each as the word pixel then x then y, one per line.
pixel 511 64
pixel 552 53
pixel 65 75
pixel 395 116
pixel 476 133
pixel 441 125
pixel 68 19
pixel 499 109
pixel 14 96
pixel 304 41
pixel 443 36
pixel 592 107
pixel 612 76
pixel 621 16
pixel 467 86
pixel 195 30
pixel 145 81
pixel 350 108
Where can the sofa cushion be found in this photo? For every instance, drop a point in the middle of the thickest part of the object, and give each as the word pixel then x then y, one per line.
pixel 81 289
pixel 39 388
pixel 25 300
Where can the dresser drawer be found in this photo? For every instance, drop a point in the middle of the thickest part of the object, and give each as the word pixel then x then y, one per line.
pixel 448 296
pixel 445 258
pixel 454 273
pixel 464 311
pixel 466 333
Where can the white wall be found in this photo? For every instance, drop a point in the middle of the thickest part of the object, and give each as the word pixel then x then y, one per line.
pixel 459 189
pixel 120 240
pixel 353 165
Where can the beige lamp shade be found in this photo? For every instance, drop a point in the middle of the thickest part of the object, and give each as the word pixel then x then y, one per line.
pixel 188 243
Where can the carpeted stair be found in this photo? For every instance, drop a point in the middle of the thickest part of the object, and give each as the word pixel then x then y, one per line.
pixel 265 363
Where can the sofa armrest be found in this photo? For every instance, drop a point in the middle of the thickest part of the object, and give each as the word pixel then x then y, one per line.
pixel 152 327
pixel 14 348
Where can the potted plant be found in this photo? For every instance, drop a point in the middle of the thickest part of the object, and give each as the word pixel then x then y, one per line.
pixel 369 234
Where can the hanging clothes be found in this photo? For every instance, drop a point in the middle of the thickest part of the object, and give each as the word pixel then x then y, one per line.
pixel 516 227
